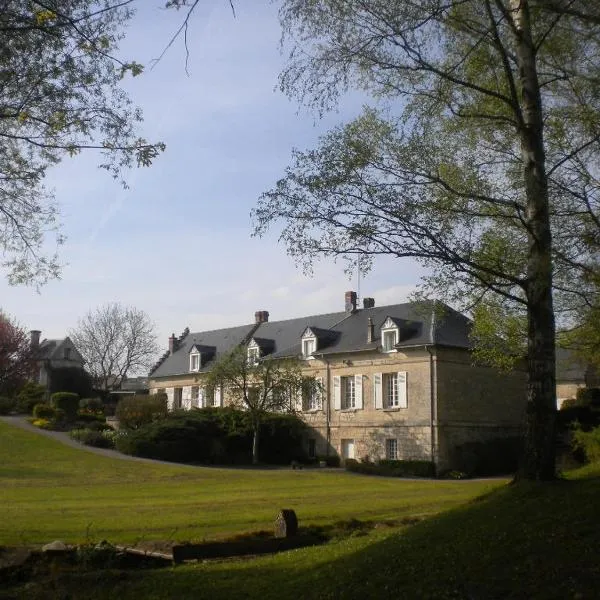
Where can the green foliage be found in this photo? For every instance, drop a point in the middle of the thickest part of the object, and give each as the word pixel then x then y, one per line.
pixel 29 395
pixel 587 442
pixel 42 423
pixel 7 405
pixel 91 405
pixel 588 397
pixel 215 436
pixel 392 468
pixel 71 379
pixel 499 456
pixel 66 401
pixel 90 437
pixel 135 411
pixel 44 410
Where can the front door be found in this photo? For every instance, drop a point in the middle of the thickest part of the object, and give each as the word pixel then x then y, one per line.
pixel 177 399
pixel 347 449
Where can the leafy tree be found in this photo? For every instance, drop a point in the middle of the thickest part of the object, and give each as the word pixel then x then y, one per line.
pixel 115 340
pixel 17 363
pixel 60 93
pixel 484 147
pixel 261 386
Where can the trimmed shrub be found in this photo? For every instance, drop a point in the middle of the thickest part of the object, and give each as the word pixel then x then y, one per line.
pixel 392 468
pixel 135 411
pixel 498 456
pixel 90 438
pixel 30 395
pixel 7 405
pixel 43 410
pixel 93 406
pixel 67 401
pixel 588 442
pixel 588 397
pixel 215 436
pixel 331 460
pixel 42 423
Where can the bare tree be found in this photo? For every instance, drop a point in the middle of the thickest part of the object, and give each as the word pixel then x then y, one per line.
pixel 115 340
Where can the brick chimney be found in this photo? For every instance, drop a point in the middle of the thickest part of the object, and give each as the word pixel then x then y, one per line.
pixel 34 338
pixel 368 302
pixel 172 343
pixel 350 302
pixel 261 316
pixel 370 330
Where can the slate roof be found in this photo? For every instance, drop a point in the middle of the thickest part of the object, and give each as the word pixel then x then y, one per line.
pixel 48 349
pixel 421 323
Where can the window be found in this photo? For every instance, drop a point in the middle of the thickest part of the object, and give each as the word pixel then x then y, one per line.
pixel 253 355
pixel 177 398
pixel 311 394
pixel 391 398
pixel 67 353
pixel 391 449
pixel 195 361
pixel 347 447
pixel 309 345
pixel 312 448
pixel 348 392
pixel 195 395
pixel 389 340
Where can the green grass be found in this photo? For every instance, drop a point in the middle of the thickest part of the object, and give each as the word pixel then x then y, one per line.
pixel 50 491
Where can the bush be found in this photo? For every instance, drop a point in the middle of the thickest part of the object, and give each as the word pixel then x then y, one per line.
pixel 215 436
pixel 7 405
pixel 588 397
pixel 498 456
pixel 67 401
pixel 85 417
pixel 93 406
pixel 42 423
pixel 588 442
pixel 30 395
pixel 43 410
pixel 135 411
pixel 330 461
pixel 91 438
pixel 392 468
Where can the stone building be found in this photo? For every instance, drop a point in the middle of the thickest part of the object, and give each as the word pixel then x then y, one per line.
pixel 52 354
pixel 397 381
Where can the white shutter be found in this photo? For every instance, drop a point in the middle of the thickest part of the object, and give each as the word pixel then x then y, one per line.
pixel 170 397
pixel 218 396
pixel 319 391
pixel 201 397
pixel 402 393
pixel 337 392
pixel 378 390
pixel 186 397
pixel 297 395
pixel 358 391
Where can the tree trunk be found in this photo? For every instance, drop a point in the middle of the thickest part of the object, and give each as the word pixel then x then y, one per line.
pixel 539 461
pixel 256 434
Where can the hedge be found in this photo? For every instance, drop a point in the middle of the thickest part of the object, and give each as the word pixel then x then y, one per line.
pixel 215 436
pixel 588 442
pixel 138 410
pixel 7 405
pixel 67 401
pixel 392 468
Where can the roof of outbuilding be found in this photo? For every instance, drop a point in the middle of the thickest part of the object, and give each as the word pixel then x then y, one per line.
pixel 421 323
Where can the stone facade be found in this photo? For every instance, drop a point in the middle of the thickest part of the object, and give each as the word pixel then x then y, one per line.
pixel 440 399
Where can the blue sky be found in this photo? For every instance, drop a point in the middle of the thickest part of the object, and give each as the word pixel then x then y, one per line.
pixel 177 242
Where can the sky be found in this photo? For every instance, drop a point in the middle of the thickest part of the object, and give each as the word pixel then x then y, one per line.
pixel 177 242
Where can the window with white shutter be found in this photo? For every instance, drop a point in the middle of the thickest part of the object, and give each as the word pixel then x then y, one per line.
pixel 378 390
pixel 337 392
pixel 402 390
pixel 358 400
pixel 218 397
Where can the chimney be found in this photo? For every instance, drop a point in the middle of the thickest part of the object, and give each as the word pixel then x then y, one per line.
pixel 350 302
pixel 172 344
pixel 261 316
pixel 370 328
pixel 368 302
pixel 35 338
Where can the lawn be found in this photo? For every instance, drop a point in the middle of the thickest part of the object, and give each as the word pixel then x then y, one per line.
pixel 50 491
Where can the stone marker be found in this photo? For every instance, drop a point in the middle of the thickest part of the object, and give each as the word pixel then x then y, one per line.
pixel 286 523
pixel 56 546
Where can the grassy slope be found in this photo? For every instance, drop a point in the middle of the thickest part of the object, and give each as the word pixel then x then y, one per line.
pixel 526 541
pixel 50 491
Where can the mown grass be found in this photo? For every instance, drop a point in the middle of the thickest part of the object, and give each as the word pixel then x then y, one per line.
pixel 50 491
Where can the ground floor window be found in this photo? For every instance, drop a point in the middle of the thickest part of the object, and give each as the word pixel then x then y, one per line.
pixel 391 449
pixel 347 449
pixel 348 392
pixel 177 398
pixel 312 448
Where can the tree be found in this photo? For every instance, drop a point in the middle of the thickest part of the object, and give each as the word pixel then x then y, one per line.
pixel 17 363
pixel 261 386
pixel 115 340
pixel 60 93
pixel 485 146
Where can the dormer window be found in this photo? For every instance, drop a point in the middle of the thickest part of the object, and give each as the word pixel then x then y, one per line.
pixel 195 361
pixel 253 352
pixel 309 344
pixel 389 335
